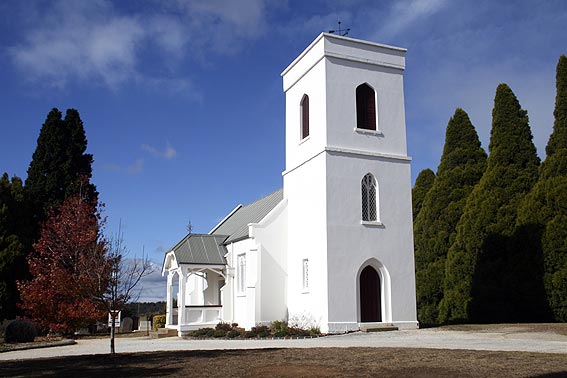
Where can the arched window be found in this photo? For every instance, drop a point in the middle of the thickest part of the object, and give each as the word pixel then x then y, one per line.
pixel 369 198
pixel 304 117
pixel 365 107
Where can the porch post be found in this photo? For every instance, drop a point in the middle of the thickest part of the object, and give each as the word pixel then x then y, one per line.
pixel 169 317
pixel 181 297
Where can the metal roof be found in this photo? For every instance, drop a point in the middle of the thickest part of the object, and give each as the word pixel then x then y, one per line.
pixel 201 249
pixel 236 224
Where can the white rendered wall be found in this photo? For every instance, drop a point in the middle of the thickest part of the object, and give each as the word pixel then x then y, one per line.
pixel 351 244
pixel 305 190
pixel 342 80
pixel 323 177
pixel 213 284
pixel 299 151
pixel 271 241
pixel 245 311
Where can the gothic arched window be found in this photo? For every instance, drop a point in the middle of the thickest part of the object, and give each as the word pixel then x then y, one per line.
pixel 304 117
pixel 369 198
pixel 365 107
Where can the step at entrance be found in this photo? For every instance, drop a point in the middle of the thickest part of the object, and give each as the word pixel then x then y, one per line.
pixel 163 332
pixel 377 327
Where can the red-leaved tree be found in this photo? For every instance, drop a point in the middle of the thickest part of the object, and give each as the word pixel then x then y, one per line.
pixel 58 297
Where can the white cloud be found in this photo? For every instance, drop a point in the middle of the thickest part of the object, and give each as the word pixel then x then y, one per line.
pixel 404 14
pixel 152 287
pixel 94 42
pixel 222 26
pixel 137 167
pixel 111 167
pixel 80 40
pixel 168 153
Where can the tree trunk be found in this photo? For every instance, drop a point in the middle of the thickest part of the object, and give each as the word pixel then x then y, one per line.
pixel 112 351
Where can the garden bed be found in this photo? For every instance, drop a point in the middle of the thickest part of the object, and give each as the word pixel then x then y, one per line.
pixel 276 330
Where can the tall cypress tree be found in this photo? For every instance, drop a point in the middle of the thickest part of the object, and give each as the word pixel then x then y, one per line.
pixel 58 163
pixel 423 182
pixel 462 164
pixel 79 162
pixel 12 239
pixel 59 169
pixel 542 218
pixel 480 264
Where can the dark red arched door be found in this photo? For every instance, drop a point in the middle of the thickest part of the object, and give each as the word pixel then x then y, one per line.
pixel 370 300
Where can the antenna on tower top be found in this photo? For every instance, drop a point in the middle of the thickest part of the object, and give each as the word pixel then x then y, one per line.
pixel 339 31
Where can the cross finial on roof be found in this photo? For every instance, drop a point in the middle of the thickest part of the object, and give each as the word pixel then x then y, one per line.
pixel 339 31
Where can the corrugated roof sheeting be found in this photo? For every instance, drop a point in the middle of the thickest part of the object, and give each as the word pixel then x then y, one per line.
pixel 201 249
pixel 210 248
pixel 236 226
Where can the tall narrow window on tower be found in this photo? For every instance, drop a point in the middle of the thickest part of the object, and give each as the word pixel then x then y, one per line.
pixel 305 275
pixel 369 199
pixel 365 107
pixel 304 117
pixel 241 274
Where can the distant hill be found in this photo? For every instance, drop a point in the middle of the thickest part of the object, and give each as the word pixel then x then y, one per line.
pixel 142 308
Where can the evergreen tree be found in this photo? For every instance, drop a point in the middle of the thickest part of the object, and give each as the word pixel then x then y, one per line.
pixel 423 183
pixel 12 239
pixel 481 268
pixel 462 165
pixel 558 139
pixel 79 163
pixel 59 169
pixel 542 218
pixel 59 163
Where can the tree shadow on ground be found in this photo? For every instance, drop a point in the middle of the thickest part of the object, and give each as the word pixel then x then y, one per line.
pixel 156 364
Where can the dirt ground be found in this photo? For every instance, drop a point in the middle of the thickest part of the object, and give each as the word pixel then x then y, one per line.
pixel 312 362
pixel 316 362
pixel 558 328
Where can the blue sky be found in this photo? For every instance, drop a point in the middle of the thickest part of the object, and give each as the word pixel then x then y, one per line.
pixel 182 100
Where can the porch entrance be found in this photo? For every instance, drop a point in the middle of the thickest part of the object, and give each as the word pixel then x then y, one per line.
pixel 370 297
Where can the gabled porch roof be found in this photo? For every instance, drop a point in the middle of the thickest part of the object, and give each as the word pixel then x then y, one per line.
pixel 199 249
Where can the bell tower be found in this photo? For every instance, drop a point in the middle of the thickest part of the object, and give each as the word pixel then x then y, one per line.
pixel 348 186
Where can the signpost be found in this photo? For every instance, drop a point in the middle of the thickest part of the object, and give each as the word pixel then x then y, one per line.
pixel 116 318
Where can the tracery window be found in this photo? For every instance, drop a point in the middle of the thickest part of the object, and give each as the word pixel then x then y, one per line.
pixel 369 198
pixel 304 117
pixel 365 107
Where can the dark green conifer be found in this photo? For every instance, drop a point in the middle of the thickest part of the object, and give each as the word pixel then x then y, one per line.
pixel 558 139
pixel 12 238
pixel 462 164
pixel 58 162
pixel 542 218
pixel 423 182
pixel 480 269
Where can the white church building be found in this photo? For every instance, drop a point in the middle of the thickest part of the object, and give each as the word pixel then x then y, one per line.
pixel 334 247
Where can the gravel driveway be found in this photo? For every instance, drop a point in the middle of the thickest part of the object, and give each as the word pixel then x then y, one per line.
pixel 499 339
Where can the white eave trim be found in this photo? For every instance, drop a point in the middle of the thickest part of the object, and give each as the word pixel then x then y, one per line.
pixel 366 61
pixel 346 151
pixel 225 218
pixel 329 35
pixel 168 256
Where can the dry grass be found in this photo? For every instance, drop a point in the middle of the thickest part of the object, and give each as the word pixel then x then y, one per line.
pixel 558 328
pixel 316 362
